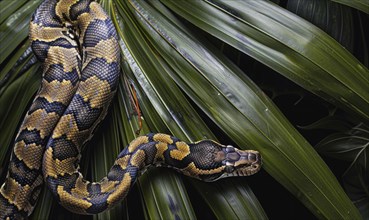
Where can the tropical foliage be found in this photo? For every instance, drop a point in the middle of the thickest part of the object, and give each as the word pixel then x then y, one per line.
pixel 248 73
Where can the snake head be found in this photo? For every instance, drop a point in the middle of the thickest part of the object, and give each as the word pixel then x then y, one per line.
pixel 239 162
pixel 212 161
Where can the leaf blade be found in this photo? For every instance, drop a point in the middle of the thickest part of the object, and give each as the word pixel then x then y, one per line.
pixel 288 44
pixel 261 119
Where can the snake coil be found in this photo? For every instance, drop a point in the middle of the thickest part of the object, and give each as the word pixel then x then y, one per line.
pixel 77 44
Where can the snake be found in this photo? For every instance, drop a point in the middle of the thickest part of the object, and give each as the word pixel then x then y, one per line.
pixel 77 45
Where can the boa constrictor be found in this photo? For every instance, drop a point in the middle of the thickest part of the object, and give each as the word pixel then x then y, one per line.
pixel 77 44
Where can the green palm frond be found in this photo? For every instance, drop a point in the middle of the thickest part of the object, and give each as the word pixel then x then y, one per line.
pixel 188 88
pixel 288 44
pixel 358 4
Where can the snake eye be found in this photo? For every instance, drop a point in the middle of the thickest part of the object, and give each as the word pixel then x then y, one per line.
pixel 229 169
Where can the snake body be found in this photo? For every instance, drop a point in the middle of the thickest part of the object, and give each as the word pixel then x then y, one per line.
pixel 77 45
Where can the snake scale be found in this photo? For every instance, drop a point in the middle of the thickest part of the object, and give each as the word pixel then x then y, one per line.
pixel 77 44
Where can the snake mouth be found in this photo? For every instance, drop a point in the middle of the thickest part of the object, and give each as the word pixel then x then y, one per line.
pixel 248 170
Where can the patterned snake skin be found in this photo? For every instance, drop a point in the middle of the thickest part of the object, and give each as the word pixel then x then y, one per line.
pixel 77 44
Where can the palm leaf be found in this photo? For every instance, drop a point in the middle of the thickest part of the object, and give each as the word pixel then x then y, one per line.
pixel 174 110
pixel 14 29
pixel 358 4
pixel 286 43
pixel 198 68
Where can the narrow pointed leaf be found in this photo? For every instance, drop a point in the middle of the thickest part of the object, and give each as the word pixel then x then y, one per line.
pixel 362 5
pixel 43 207
pixel 246 115
pixel 351 146
pixel 16 98
pixel 156 198
pixel 161 194
pixel 175 111
pixel 14 29
pixel 286 43
pixel 7 7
